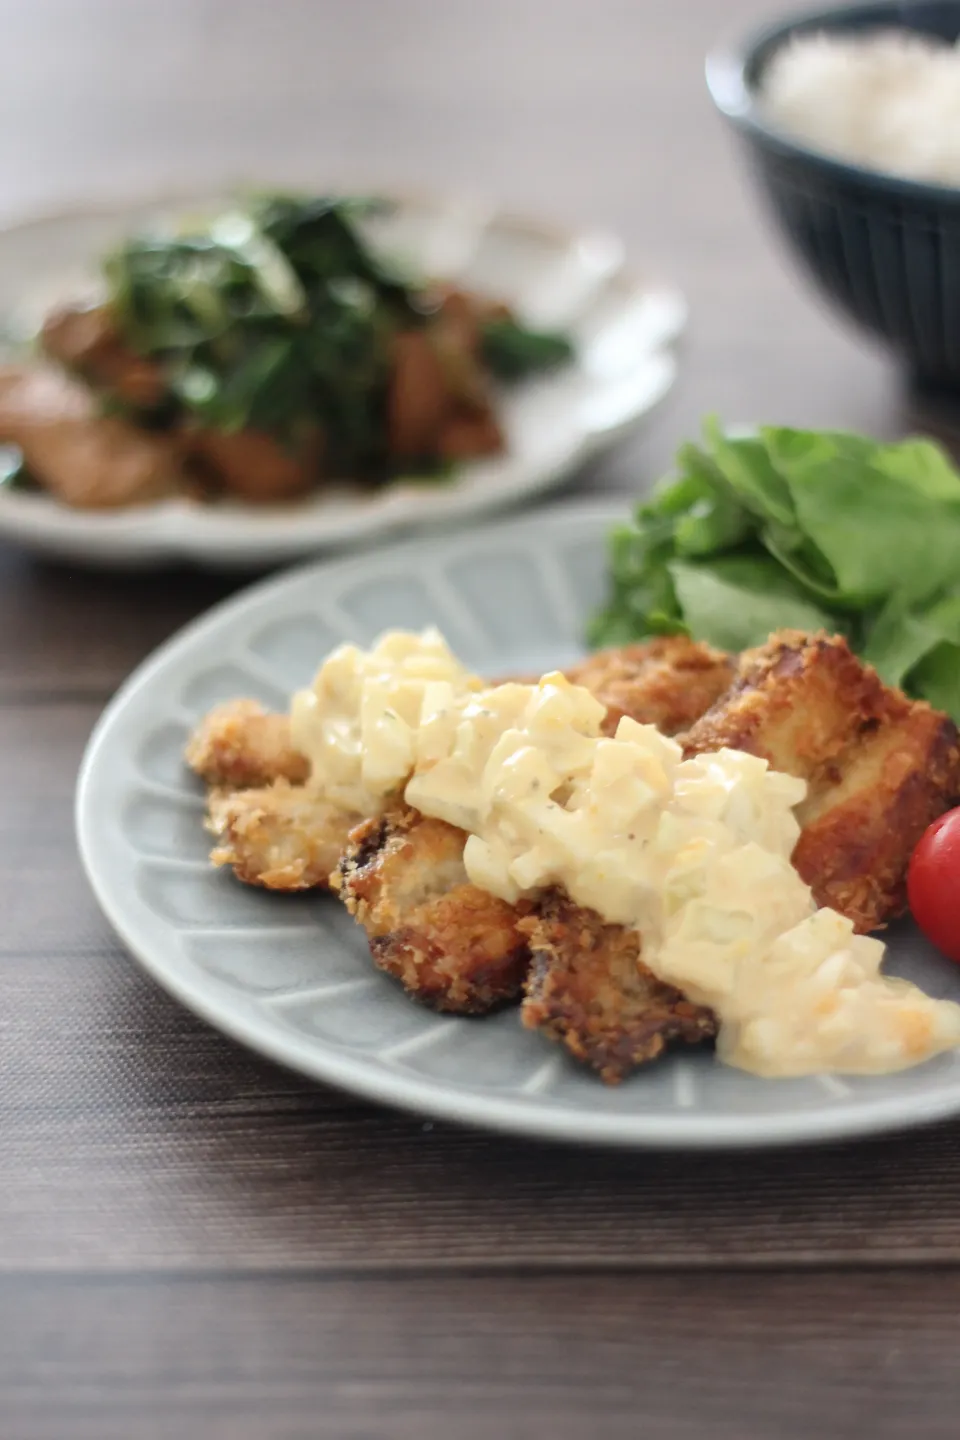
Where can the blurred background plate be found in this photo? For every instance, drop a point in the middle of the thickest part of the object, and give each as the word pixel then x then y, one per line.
pixel 624 327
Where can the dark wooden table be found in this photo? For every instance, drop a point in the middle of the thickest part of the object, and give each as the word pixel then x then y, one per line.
pixel 194 1243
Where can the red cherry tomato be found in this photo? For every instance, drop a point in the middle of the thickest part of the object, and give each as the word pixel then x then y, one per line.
pixel 933 884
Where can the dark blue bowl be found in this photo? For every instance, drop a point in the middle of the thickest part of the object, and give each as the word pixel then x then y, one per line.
pixel 886 250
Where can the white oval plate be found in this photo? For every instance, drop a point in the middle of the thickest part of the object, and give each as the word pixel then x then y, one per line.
pixel 292 977
pixel 624 329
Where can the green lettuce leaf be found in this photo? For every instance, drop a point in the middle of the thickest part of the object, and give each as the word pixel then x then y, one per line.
pixel 879 530
pixel 736 600
pixel 919 650
pixel 937 678
pixel 746 466
pixel 788 528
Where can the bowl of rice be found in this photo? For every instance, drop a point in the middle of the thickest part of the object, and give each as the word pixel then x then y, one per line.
pixel 851 122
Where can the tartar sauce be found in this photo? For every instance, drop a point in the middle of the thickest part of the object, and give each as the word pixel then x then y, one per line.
pixel 694 854
pixel 358 722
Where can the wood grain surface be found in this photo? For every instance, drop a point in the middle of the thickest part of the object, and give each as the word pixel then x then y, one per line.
pixel 194 1243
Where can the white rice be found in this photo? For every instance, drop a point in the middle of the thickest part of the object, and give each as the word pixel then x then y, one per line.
pixel 889 100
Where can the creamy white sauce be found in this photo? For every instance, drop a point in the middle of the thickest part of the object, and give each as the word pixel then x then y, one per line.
pixel 694 854
pixel 358 722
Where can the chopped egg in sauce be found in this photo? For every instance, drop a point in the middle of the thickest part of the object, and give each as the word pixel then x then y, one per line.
pixel 694 854
pixel 359 721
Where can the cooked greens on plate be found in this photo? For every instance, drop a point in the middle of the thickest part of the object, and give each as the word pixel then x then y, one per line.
pixel 258 355
pixel 805 529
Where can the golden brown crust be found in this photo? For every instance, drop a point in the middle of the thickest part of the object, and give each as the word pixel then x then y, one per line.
pixel 668 681
pixel 282 836
pixel 798 698
pixel 879 767
pixel 589 990
pixel 240 745
pixel 451 945
pixel 860 832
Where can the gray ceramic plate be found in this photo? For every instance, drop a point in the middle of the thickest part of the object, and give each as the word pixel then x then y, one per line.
pixel 290 976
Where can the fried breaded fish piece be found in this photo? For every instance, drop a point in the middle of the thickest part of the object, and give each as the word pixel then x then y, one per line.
pixel 268 827
pixel 240 745
pixel 390 865
pixel 451 945
pixel 588 988
pixel 668 681
pixel 879 767
pixel 280 836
